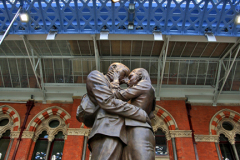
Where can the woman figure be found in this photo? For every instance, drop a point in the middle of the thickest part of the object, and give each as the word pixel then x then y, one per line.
pixel 141 141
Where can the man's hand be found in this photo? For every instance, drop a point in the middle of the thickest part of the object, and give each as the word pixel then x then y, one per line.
pixel 116 77
pixel 115 82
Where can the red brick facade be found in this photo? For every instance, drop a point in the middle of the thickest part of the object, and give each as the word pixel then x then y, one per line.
pixel 173 113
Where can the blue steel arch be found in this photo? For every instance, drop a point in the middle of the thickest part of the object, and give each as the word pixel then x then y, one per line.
pixel 173 17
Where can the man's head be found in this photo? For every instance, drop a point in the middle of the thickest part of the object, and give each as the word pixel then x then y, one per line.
pixel 121 69
pixel 137 75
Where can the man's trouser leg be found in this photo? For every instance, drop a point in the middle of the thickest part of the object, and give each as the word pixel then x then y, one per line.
pixel 106 148
pixel 141 144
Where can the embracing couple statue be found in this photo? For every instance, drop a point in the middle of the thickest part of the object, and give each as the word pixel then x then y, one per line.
pixel 120 130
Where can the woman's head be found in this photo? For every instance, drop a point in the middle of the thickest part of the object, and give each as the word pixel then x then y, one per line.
pixel 137 75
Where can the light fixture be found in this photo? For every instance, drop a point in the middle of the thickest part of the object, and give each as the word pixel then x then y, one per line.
pixel 114 1
pixel 237 19
pixel 104 35
pixel 131 7
pixel 210 37
pixel 51 35
pixel 104 32
pixel 130 25
pixel 24 17
pixel 131 15
pixel 157 36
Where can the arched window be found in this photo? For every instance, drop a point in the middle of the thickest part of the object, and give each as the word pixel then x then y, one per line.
pixel 228 139
pixel 226 148
pixel 161 148
pixel 41 145
pixel 4 142
pixel 225 124
pixel 55 147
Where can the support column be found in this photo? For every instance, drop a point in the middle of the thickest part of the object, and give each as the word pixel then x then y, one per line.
pixel 174 148
pixel 235 151
pixel 218 151
pixel 9 149
pixel 84 147
pixel 48 149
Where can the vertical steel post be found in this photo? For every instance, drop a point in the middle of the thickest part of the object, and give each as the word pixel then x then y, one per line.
pixel 97 58
pixel 164 61
pixel 217 83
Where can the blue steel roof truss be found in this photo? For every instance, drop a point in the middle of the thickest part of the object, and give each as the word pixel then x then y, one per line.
pixel 172 17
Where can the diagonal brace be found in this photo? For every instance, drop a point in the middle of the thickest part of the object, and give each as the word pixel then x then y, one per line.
pixel 34 71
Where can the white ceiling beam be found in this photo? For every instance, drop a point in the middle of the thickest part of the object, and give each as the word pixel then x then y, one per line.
pixel 144 37
pixel 64 92
pixel 154 58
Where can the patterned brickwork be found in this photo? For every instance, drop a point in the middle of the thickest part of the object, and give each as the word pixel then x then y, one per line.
pixel 13 114
pixel 225 113
pixel 45 114
pixel 167 118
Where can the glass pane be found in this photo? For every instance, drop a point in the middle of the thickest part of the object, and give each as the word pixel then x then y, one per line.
pixel 228 126
pixel 226 151
pixel 4 122
pixel 3 147
pixel 161 143
pixel 226 148
pixel 43 135
pixel 160 132
pixel 237 138
pixel 223 138
pixel 57 150
pixel 40 149
pixel 6 134
pixel 59 135
pixel 54 123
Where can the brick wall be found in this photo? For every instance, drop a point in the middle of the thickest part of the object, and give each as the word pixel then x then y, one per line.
pixel 207 150
pixel 200 116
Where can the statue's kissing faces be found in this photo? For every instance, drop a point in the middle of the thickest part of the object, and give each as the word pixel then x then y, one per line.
pixel 133 79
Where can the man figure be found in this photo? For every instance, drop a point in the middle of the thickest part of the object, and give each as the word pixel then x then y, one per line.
pixel 108 134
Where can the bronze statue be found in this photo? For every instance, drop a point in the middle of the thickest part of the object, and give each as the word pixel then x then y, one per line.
pixel 141 141
pixel 109 133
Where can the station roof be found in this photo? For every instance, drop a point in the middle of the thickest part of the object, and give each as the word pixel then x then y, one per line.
pixel 184 60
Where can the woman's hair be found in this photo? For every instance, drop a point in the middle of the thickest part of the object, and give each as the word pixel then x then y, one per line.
pixel 142 73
